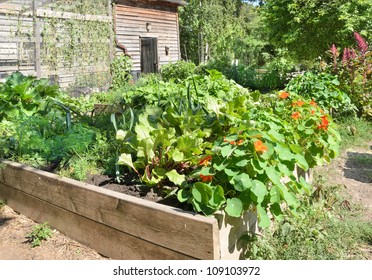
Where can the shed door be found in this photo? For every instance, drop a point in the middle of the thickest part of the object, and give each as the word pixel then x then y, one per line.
pixel 149 55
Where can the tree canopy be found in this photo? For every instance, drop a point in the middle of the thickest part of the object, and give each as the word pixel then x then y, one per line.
pixel 307 28
pixel 221 29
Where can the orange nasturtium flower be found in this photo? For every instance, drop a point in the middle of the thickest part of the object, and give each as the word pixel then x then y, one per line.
pixel 312 112
pixel 206 178
pixel 240 142
pixel 313 103
pixel 259 146
pixel 296 115
pixel 299 103
pixel 205 161
pixel 284 95
pixel 324 124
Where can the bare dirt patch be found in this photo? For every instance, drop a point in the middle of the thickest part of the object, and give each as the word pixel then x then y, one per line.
pixel 14 245
pixel 353 169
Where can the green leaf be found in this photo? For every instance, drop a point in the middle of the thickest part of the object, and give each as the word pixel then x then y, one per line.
pixel 284 152
pixel 290 198
pixel 273 175
pixel 242 163
pixel 227 150
pixel 246 199
pixel 231 173
pixel 201 192
pixel 276 211
pixel 207 171
pixel 240 152
pixel 183 195
pixel 221 166
pixel 143 132
pixel 307 187
pixel 242 182
pixel 263 218
pixel 126 159
pixel 177 156
pixel 259 190
pixel 301 161
pixel 297 149
pixel 309 131
pixel 218 197
pixel 284 169
pixel 234 207
pixel 256 166
pixel 275 195
pixel 120 134
pixel 275 136
pixel 175 178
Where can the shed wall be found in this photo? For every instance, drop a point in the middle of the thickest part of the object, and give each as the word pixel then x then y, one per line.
pixel 131 20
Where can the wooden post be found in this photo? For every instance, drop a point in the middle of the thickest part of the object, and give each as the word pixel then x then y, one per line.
pixel 110 13
pixel 35 5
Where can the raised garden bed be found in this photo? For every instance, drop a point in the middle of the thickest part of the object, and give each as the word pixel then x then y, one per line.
pixel 117 225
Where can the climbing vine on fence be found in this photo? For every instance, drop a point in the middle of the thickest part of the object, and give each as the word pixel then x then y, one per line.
pixel 75 36
pixel 73 42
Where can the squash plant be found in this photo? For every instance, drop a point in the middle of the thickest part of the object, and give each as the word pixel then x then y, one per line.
pixel 24 95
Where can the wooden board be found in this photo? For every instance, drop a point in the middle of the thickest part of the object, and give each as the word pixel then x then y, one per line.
pixel 168 227
pixel 106 240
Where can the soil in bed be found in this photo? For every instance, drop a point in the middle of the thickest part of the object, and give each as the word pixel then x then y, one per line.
pixel 131 186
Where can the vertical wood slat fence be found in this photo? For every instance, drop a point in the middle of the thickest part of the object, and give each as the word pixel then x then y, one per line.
pixel 21 40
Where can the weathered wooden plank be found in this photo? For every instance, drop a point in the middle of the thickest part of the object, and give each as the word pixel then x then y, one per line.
pixel 67 15
pixel 160 224
pixel 11 39
pixel 160 19
pixel 111 242
pixel 145 7
pixel 37 33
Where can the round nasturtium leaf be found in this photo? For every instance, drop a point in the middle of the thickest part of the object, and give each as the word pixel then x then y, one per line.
pixel 234 207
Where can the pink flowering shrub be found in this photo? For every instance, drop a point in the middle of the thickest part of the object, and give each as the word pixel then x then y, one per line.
pixel 354 71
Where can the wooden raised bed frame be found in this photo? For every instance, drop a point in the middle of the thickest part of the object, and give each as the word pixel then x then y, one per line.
pixel 117 225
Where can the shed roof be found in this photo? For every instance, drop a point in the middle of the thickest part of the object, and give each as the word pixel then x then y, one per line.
pixel 178 2
pixel 173 2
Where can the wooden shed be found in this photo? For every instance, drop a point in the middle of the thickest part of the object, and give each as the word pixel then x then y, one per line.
pixel 36 38
pixel 148 31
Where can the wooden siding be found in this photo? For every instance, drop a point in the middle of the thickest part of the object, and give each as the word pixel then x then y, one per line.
pixel 131 20
pixel 21 42
pixel 21 26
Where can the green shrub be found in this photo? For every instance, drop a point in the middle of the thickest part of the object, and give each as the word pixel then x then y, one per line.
pixel 325 89
pixel 26 96
pixel 272 76
pixel 178 71
pixel 121 71
pixel 355 74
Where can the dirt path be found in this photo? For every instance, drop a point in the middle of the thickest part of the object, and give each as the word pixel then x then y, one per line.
pixel 353 169
pixel 14 246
